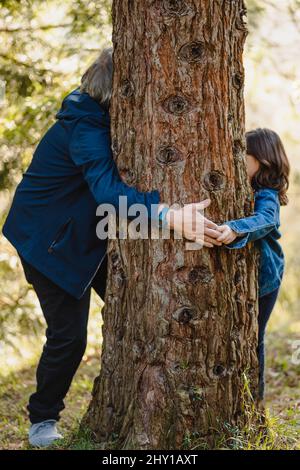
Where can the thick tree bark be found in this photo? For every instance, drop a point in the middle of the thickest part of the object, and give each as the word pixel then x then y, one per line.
pixel 180 327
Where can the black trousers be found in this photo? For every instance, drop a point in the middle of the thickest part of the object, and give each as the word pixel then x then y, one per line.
pixel 266 306
pixel 66 333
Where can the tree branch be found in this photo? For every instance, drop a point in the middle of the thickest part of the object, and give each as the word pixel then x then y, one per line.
pixel 32 66
pixel 38 28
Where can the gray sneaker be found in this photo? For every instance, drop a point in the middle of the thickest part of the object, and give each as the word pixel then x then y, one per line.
pixel 43 434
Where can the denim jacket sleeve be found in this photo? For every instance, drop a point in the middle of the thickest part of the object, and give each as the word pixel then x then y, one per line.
pixel 90 150
pixel 262 222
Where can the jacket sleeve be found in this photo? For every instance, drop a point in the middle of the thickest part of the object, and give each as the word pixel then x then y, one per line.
pixel 262 222
pixel 90 150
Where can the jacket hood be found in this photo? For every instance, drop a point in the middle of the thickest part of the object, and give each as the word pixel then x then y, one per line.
pixel 77 105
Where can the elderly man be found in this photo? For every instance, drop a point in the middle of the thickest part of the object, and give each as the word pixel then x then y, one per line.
pixel 52 224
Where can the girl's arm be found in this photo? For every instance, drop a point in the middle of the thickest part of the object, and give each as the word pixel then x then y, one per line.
pixel 237 233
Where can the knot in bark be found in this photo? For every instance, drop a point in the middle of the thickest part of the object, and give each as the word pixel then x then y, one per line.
pixel 169 155
pixel 238 80
pixel 219 370
pixel 128 175
pixel 200 274
pixel 184 314
pixel 176 104
pixel 127 88
pixel 214 181
pixel 192 51
pixel 175 7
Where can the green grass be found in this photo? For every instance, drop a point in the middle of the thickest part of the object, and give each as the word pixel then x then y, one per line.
pixel 281 431
pixel 271 434
pixel 14 391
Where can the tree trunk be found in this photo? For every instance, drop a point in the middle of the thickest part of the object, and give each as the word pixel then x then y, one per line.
pixel 180 327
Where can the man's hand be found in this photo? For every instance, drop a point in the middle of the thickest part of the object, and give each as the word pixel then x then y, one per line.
pixel 227 234
pixel 193 225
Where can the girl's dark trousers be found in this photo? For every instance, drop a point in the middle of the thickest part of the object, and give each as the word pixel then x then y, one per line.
pixel 266 305
pixel 66 337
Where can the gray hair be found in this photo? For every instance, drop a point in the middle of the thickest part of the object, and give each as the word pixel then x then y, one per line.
pixel 97 80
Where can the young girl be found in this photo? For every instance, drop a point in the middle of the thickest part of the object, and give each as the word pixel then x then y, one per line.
pixel 268 170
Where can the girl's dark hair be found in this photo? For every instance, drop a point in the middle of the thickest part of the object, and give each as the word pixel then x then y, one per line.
pixel 266 146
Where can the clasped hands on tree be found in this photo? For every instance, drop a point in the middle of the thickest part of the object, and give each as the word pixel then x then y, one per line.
pixel 189 221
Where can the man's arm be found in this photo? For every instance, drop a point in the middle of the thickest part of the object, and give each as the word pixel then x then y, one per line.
pixel 90 150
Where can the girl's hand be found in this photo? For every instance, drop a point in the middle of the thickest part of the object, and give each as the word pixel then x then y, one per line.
pixel 227 234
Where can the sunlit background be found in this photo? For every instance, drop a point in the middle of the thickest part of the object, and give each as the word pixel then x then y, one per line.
pixel 44 48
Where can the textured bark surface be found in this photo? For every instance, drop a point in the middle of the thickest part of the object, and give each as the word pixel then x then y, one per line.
pixel 179 326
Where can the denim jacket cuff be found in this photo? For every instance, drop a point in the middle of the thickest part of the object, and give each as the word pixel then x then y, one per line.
pixel 240 226
pixel 239 242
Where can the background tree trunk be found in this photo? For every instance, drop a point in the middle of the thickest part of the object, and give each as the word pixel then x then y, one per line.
pixel 180 326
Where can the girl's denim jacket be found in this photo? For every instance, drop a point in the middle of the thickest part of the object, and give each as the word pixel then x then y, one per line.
pixel 262 228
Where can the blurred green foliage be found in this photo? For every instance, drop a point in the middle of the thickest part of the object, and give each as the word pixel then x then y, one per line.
pixel 45 46
pixel 255 8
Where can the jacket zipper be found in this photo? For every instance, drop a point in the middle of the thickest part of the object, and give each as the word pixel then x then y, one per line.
pixel 89 283
pixel 50 250
pixel 59 234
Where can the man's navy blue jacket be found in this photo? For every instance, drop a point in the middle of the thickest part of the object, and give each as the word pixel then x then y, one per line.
pixel 52 220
